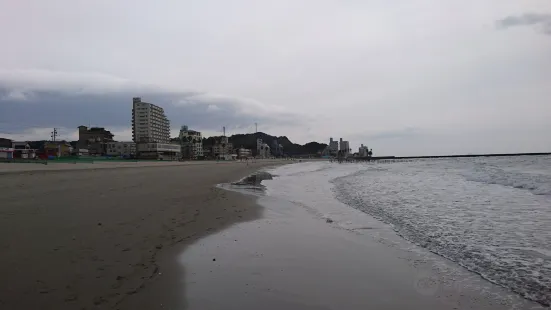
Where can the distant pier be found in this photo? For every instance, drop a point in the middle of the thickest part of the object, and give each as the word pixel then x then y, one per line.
pixel 411 158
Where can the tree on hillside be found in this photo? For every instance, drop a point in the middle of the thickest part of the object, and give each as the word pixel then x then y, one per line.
pixel 248 141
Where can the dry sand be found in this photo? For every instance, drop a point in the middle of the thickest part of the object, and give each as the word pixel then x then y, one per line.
pixel 91 239
pixel 18 168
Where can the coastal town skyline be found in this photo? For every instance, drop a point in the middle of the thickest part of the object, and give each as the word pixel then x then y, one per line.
pixel 65 134
pixel 152 140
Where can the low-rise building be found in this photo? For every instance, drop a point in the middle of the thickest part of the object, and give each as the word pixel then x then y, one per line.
pixel 23 150
pixel 243 153
pixel 57 148
pixel 227 157
pixel 222 147
pixel 6 152
pixel 6 143
pixel 80 152
pixel 94 139
pixel 21 145
pixel 6 148
pixel 207 152
pixel 122 149
pixel 160 151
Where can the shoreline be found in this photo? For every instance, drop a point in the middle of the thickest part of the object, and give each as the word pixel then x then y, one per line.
pixel 100 238
pixel 34 168
pixel 330 256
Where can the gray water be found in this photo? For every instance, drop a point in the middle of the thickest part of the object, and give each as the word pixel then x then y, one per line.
pixel 490 215
pixel 314 244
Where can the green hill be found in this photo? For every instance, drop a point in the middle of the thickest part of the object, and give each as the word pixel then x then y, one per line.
pixel 248 141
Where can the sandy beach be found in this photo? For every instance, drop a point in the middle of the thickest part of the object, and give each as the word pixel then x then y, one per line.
pixel 92 238
pixel 164 236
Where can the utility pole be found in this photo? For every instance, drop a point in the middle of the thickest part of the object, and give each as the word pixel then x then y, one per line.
pixel 224 142
pixel 255 127
pixel 54 134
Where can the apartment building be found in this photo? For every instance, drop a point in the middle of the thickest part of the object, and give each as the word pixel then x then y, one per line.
pixel 363 151
pixel 222 147
pixel 277 149
pixel 149 123
pixel 262 149
pixel 151 132
pixel 332 148
pixel 344 147
pixel 94 139
pixel 191 142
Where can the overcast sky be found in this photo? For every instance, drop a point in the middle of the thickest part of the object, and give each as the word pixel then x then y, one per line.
pixel 405 77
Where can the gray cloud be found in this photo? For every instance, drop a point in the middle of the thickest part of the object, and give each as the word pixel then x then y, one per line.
pixel 46 99
pixel 20 110
pixel 528 19
pixel 31 100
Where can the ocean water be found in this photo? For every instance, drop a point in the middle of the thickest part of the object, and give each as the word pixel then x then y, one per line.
pixel 489 215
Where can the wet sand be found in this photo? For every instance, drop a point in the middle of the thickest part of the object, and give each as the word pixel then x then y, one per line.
pixel 94 239
pixel 19 168
pixel 294 257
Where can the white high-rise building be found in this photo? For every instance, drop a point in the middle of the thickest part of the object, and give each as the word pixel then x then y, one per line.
pixel 344 147
pixel 363 151
pixel 151 132
pixel 149 123
pixel 333 146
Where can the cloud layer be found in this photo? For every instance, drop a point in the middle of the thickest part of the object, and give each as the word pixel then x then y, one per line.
pixel 40 99
pixel 412 77
pixel 528 19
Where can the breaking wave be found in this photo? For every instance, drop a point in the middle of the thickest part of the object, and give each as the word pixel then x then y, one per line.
pixel 491 216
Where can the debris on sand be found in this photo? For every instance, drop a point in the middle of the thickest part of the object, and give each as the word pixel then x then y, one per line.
pixel 255 179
